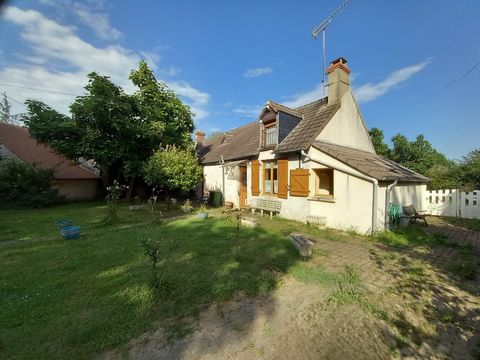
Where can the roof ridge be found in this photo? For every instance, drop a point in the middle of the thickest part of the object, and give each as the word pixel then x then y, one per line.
pixel 231 130
pixel 324 99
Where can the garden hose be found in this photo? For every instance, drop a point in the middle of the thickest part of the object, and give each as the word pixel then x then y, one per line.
pixel 394 212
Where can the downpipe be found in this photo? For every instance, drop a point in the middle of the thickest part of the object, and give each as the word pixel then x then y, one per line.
pixel 360 176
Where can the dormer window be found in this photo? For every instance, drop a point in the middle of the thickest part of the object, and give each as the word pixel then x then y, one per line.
pixel 270 135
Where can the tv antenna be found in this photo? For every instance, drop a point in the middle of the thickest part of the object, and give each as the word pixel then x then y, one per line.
pixel 321 29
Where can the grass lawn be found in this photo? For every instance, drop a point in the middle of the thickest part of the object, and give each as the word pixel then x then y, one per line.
pixel 75 298
pixel 78 298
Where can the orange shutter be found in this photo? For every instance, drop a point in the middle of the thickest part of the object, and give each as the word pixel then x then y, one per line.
pixel 283 179
pixel 299 182
pixel 255 178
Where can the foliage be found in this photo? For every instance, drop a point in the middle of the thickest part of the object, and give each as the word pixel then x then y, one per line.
pixel 377 137
pixel 5 107
pixel 23 184
pixel 114 193
pixel 116 130
pixel 173 168
pixel 202 208
pixel 187 206
pixel 153 250
pixel 168 121
pixel 155 213
pixel 470 170
pixel 58 130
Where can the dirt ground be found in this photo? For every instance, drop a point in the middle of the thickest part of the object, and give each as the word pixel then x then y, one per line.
pixel 414 304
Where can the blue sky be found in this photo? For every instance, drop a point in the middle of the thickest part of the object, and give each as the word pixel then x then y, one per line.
pixel 227 58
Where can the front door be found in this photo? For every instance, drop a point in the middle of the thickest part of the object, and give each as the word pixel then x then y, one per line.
pixel 243 187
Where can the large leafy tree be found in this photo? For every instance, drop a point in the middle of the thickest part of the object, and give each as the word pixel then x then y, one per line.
pixel 51 127
pixel 118 131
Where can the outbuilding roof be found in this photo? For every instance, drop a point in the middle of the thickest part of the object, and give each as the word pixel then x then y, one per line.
pixel 19 142
pixel 369 163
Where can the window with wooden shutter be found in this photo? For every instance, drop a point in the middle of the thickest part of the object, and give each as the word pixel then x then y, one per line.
pixel 283 179
pixel 255 178
pixel 299 182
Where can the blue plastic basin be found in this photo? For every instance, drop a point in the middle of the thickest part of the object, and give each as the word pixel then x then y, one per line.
pixel 70 232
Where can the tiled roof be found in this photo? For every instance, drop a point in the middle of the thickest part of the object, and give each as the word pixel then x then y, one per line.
pixel 370 164
pixel 316 116
pixel 24 147
pixel 239 143
pixel 279 107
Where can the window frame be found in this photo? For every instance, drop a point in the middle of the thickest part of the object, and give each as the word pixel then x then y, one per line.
pixel 269 126
pixel 272 163
pixel 331 172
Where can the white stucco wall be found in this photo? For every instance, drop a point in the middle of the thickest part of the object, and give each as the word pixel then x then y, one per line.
pixel 76 189
pixel 347 126
pixel 410 194
pixel 213 182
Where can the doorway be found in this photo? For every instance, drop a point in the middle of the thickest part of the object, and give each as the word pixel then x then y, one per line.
pixel 242 187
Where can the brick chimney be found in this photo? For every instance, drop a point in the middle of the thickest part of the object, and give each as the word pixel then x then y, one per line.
pixel 338 80
pixel 199 137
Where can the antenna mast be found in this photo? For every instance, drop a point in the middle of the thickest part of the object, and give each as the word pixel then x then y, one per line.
pixel 321 29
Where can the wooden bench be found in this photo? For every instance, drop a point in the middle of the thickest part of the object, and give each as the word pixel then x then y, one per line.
pixel 409 212
pixel 272 205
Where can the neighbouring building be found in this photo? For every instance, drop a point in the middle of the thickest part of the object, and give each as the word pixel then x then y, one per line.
pixel 317 160
pixel 73 181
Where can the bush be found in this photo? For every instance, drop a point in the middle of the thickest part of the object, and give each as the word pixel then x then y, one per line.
pixel 25 185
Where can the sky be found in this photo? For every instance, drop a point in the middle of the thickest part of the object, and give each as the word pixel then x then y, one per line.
pixel 226 59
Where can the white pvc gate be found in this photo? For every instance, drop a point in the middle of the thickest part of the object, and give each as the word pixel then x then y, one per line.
pixel 453 202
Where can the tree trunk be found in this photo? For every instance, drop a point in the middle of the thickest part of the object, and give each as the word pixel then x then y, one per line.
pixel 131 183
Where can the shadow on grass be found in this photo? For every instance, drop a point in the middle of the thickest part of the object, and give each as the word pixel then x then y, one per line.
pixel 438 278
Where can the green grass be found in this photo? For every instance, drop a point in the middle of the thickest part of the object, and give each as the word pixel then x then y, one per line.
pixel 472 224
pixel 74 299
pixel 410 236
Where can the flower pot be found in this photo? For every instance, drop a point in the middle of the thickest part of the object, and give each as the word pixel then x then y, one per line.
pixel 70 232
pixel 202 215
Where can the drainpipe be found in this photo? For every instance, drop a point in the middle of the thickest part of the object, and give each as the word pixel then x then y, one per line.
pixel 223 179
pixel 387 202
pixel 360 176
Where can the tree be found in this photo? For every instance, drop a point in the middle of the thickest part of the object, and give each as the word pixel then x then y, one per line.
pixel 174 169
pixel 118 131
pixel 5 107
pixel 377 137
pixel 470 170
pixel 50 127
pixel 418 155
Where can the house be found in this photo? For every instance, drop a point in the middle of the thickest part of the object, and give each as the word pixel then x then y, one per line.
pixel 73 181
pixel 317 160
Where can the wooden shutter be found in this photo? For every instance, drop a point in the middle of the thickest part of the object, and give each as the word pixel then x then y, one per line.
pixel 255 178
pixel 299 182
pixel 282 179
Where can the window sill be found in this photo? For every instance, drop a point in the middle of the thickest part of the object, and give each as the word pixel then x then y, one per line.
pixel 328 199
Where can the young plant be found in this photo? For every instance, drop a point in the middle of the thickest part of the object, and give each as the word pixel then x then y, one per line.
pixel 202 208
pixel 114 193
pixel 155 213
pixel 153 250
pixel 187 206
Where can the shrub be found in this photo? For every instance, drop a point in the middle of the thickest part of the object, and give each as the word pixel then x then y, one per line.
pixel 25 185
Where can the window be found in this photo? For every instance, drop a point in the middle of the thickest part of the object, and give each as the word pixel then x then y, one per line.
pixel 324 182
pixel 270 177
pixel 270 135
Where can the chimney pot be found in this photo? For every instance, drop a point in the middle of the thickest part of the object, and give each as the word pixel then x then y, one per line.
pixel 199 137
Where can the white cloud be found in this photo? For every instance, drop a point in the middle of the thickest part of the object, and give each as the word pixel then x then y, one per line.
pixel 363 93
pixel 248 111
pixel 90 13
pixel 304 98
pixel 256 72
pixel 52 46
pixel 99 23
pixel 369 91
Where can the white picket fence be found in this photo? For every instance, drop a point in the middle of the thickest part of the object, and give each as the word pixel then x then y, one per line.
pixel 453 202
